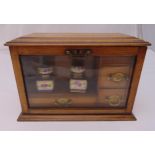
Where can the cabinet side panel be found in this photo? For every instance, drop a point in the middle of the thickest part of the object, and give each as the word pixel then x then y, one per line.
pixel 136 77
pixel 19 79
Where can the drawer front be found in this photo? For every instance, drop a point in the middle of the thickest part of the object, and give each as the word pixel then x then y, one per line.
pixel 112 97
pixel 60 101
pixel 114 76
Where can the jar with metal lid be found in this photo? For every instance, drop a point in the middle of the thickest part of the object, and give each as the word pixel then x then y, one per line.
pixel 45 71
pixel 78 82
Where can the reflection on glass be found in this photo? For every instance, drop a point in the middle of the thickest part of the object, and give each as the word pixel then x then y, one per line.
pixel 64 81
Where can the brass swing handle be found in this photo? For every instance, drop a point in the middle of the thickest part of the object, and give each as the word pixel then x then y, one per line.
pixel 63 101
pixel 78 52
pixel 113 100
pixel 118 77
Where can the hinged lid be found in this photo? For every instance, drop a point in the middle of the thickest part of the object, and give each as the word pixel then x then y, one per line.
pixel 75 39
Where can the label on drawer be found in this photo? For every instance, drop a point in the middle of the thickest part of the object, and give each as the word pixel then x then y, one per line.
pixel 45 85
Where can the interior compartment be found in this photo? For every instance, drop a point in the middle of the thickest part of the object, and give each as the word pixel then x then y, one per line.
pixel 55 74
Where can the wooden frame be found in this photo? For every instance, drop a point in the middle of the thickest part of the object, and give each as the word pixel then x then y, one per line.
pixel 83 114
pixel 117 113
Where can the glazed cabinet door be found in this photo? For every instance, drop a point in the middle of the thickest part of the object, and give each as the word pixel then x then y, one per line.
pixel 77 80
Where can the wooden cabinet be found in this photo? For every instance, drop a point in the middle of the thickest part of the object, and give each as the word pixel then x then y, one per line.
pixel 77 76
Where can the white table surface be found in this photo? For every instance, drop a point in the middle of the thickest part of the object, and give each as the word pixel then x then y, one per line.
pixel 144 107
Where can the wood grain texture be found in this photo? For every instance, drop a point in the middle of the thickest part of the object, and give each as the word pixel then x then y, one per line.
pixel 74 111
pixel 19 79
pixel 60 50
pixel 82 39
pixel 29 117
pixel 136 77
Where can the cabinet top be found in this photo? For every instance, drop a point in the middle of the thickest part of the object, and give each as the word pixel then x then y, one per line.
pixel 77 39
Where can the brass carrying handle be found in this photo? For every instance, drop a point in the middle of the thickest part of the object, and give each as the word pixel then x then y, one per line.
pixel 118 77
pixel 63 101
pixel 113 100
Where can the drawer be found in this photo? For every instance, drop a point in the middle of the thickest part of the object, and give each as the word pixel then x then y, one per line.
pixel 114 76
pixel 112 97
pixel 48 100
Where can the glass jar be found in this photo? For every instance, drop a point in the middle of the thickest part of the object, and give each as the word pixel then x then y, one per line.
pixel 45 71
pixel 78 82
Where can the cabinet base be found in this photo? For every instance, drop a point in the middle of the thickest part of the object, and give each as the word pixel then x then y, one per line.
pixel 105 117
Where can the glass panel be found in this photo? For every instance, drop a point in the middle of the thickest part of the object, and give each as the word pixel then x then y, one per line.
pixel 88 81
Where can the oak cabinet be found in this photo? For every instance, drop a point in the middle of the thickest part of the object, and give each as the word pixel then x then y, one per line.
pixel 77 76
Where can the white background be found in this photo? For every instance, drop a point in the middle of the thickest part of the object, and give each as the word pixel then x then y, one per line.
pixel 10 105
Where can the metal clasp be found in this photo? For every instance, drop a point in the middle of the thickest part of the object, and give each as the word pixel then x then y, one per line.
pixel 63 101
pixel 78 52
